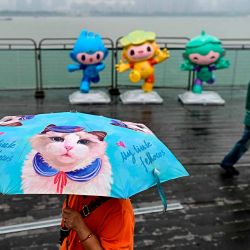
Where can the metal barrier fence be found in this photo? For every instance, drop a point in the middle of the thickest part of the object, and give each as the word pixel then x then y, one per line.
pixel 238 52
pixel 18 64
pixel 24 65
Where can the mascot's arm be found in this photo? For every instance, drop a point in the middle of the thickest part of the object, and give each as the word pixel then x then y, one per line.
pixel 222 64
pixel 187 66
pixel 73 67
pixel 161 55
pixel 121 66
pixel 100 67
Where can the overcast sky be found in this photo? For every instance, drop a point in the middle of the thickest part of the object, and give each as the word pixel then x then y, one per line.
pixel 140 6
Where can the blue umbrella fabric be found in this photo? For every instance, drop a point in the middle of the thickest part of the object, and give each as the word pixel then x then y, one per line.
pixel 77 153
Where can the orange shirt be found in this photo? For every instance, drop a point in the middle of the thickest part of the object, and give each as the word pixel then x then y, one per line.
pixel 112 223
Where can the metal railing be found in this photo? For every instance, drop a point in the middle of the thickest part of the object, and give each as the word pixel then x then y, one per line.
pixel 24 64
pixel 15 58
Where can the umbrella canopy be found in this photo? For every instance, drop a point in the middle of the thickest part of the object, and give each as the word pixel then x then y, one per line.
pixel 76 153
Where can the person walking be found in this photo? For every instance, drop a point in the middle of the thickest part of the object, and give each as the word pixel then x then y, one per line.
pixel 240 146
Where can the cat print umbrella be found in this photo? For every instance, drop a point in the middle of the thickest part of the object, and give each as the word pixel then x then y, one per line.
pixel 77 153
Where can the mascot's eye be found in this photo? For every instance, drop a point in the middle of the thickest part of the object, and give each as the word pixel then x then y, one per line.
pixel 57 139
pixel 212 57
pixel 132 52
pixel 83 57
pixel 83 141
pixel 148 49
pixel 98 56
pixel 196 58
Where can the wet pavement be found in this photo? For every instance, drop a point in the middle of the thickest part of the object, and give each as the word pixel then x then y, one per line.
pixel 216 210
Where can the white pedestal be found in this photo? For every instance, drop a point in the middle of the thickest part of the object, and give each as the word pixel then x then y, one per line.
pixel 139 96
pixel 94 96
pixel 205 98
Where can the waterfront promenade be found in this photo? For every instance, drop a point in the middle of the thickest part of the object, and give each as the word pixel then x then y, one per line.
pixel 216 210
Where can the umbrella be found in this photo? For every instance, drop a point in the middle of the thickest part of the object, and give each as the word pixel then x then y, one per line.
pixel 77 153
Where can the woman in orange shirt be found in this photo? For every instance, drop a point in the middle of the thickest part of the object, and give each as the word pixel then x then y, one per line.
pixel 110 226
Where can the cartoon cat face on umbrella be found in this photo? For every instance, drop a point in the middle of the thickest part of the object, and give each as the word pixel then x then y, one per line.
pixel 67 159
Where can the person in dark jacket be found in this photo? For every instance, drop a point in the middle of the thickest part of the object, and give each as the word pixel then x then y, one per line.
pixel 241 146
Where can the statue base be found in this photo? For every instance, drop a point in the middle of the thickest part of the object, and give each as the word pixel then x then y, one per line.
pixel 139 96
pixel 205 98
pixel 94 96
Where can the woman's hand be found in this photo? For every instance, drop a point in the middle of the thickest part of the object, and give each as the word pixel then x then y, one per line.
pixel 72 219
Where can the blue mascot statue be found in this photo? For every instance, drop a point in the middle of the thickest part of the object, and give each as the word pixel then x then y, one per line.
pixel 88 52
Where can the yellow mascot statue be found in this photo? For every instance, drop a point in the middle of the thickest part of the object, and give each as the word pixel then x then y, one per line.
pixel 140 54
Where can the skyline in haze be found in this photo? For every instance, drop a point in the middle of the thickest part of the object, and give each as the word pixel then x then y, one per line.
pixel 133 7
